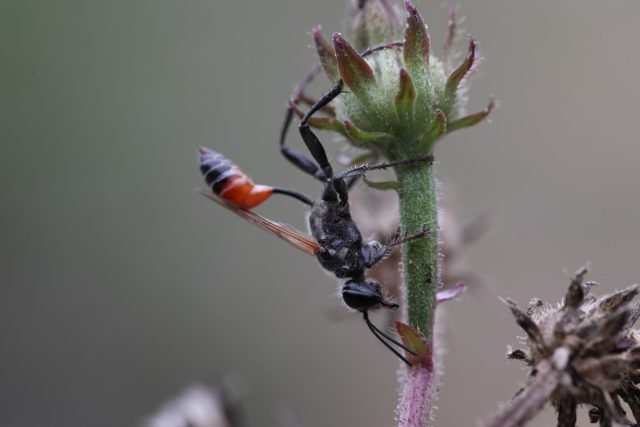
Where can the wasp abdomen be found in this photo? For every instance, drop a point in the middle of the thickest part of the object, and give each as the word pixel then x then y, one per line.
pixel 228 182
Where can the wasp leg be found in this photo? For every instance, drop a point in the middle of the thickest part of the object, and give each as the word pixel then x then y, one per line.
pixel 374 252
pixel 400 238
pixel 301 161
pixel 298 159
pixel 359 171
pixel 311 141
pixel 317 150
pixel 292 193
pixel 383 338
pixel 336 187
pixel 352 182
pixel 380 47
pixel 324 101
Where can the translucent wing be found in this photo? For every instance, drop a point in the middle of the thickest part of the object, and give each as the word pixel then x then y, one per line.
pixel 295 238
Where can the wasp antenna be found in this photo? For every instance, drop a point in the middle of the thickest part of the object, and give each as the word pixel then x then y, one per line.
pixel 383 338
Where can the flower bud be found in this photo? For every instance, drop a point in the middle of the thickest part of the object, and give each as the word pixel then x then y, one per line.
pixel 398 99
pixel 372 22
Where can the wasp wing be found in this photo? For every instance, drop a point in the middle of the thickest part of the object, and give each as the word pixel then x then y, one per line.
pixel 295 238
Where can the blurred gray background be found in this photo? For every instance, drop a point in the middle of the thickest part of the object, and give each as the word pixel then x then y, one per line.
pixel 120 286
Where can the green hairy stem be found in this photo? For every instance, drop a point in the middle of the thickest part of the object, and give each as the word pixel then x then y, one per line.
pixel 418 207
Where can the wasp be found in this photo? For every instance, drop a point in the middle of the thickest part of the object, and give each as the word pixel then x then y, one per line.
pixel 335 238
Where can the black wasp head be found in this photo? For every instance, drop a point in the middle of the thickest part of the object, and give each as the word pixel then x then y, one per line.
pixel 362 295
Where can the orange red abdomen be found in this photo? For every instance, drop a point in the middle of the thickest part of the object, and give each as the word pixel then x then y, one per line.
pixel 228 182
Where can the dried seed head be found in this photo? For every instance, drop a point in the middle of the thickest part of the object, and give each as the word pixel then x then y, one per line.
pixel 587 349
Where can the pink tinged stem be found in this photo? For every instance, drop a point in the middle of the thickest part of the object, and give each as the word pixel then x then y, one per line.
pixel 416 402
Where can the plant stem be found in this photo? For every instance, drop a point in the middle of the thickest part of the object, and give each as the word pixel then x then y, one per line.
pixel 418 207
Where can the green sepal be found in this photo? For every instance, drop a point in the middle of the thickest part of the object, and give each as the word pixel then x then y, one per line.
pixel 457 75
pixel 471 119
pixel 438 126
pixel 354 69
pixel 382 185
pixel 416 60
pixel 326 54
pixel 323 122
pixel 416 42
pixel 361 138
pixel 327 123
pixel 406 97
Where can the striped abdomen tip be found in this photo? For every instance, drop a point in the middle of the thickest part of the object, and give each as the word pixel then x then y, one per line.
pixel 227 181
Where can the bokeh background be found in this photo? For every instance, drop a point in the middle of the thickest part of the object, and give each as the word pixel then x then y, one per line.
pixel 119 285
